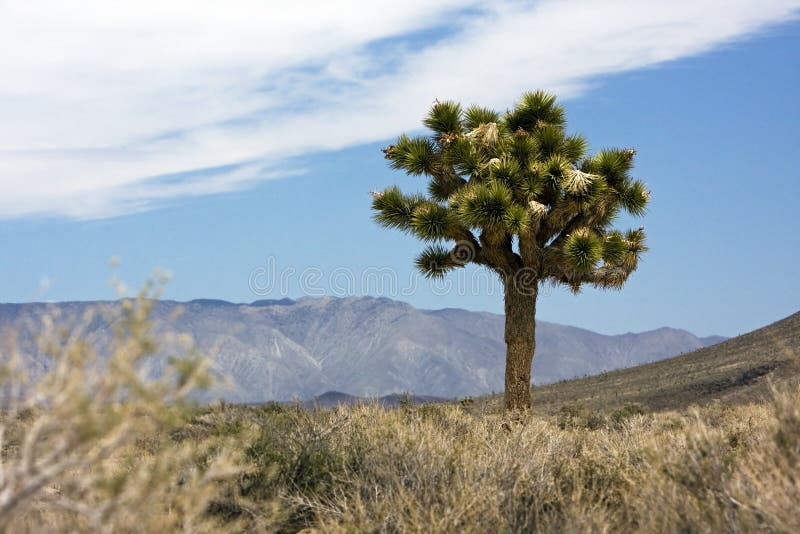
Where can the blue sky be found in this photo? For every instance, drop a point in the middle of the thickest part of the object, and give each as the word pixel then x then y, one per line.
pixel 237 155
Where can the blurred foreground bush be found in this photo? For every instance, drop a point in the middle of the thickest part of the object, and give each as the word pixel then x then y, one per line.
pixel 82 444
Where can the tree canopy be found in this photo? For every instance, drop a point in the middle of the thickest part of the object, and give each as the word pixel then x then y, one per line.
pixel 516 193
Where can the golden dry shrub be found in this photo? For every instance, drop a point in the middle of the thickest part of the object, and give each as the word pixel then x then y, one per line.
pixel 85 443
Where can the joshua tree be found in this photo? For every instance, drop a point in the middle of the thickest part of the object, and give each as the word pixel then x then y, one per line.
pixel 515 193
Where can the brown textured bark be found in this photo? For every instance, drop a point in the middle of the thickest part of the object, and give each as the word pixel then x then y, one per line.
pixel 520 336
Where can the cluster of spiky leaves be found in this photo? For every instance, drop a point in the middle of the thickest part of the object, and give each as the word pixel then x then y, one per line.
pixel 516 191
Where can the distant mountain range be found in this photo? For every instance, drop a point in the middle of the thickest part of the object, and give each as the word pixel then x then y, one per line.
pixel 363 346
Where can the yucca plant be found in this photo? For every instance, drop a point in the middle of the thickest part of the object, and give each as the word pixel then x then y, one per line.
pixel 515 193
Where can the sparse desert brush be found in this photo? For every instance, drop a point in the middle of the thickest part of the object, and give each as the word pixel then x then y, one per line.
pixel 96 443
pixel 440 468
pixel 85 443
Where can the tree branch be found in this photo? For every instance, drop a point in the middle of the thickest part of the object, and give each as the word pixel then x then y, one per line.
pixel 529 250
pixel 496 247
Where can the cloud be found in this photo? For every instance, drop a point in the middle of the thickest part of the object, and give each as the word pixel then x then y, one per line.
pixel 110 107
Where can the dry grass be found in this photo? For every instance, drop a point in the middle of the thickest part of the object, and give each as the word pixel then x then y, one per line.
pixel 98 448
pixel 442 469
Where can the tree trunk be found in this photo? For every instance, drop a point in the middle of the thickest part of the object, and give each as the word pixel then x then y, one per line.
pixel 520 336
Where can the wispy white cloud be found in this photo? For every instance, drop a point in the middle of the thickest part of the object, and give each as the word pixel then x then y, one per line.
pixel 109 107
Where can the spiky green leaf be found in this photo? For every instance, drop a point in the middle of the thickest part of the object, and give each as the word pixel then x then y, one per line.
pixel 549 140
pixel 474 116
pixel 533 183
pixel 430 221
pixel 523 148
pixel 439 190
pixel 414 155
pixel 574 147
pixel 557 168
pixel 506 171
pixel 634 198
pixel 394 209
pixel 613 165
pixel 535 110
pixel 486 205
pixel 466 158
pixel 444 118
pixel 517 219
pixel 435 261
pixel 582 250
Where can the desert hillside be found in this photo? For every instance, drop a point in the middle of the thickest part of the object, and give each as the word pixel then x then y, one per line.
pixel 734 371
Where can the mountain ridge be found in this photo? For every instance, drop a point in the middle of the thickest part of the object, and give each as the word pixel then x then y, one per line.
pixel 286 301
pixel 286 349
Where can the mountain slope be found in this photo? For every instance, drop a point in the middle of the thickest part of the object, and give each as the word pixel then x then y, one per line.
pixel 737 370
pixel 280 350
